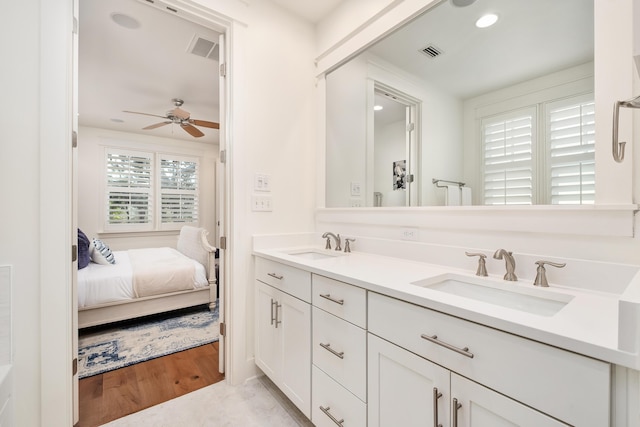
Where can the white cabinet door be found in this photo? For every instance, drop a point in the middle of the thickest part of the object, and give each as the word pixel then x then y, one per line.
pixel 482 407
pixel 283 343
pixel 403 388
pixel 267 351
pixel 295 335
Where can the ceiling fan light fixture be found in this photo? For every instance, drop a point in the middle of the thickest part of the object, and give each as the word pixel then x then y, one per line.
pixel 125 21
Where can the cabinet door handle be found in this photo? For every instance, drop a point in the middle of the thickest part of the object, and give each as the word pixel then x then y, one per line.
pixel 332 351
pixel 328 414
pixel 330 298
pixel 456 406
pixel 434 339
pixel 272 316
pixel 436 395
pixel 275 276
pixel 277 321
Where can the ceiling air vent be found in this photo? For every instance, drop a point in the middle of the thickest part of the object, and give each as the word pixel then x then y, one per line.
pixel 202 47
pixel 431 51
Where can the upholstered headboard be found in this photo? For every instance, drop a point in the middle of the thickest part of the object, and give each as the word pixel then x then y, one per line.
pixel 193 243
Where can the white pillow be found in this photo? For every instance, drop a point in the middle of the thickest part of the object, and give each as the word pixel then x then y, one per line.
pixel 101 253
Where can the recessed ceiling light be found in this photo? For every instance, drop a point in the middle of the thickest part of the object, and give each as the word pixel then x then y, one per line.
pixel 125 21
pixel 377 107
pixel 487 20
pixel 117 120
pixel 462 3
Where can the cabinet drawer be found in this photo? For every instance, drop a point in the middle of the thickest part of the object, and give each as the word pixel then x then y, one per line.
pixel 340 350
pixel 291 280
pixel 568 386
pixel 345 301
pixel 338 403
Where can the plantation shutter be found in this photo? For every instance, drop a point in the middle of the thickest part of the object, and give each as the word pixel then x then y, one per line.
pixel 178 190
pixel 128 188
pixel 507 142
pixel 571 139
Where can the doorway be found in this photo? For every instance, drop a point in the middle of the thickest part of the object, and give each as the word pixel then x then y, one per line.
pixel 120 96
pixel 392 142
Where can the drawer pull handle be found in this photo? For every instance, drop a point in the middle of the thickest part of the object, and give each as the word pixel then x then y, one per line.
pixel 330 298
pixel 328 414
pixel 434 339
pixel 436 395
pixel 275 276
pixel 332 351
pixel 456 406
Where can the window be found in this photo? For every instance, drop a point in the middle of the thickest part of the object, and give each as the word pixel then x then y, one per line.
pixel 178 191
pixel 129 188
pixel 143 195
pixel 571 136
pixel 559 168
pixel 508 158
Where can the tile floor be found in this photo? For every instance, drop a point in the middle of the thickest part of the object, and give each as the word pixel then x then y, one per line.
pixel 256 403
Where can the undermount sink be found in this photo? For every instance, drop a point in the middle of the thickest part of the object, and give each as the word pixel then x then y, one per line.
pixel 535 301
pixel 315 254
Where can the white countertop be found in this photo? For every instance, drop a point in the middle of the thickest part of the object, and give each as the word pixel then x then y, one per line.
pixel 588 324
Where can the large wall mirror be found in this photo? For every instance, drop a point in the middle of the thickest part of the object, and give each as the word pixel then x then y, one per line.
pixel 445 112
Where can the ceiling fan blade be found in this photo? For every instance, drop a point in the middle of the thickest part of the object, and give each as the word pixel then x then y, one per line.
pixel 204 123
pixel 157 125
pixel 195 132
pixel 145 114
pixel 180 113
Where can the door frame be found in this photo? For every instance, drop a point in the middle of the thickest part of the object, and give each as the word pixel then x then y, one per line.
pixel 56 214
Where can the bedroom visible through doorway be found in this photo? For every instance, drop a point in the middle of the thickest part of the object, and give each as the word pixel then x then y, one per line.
pixel 149 87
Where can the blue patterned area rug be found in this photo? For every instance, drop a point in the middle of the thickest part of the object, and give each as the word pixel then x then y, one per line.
pixel 104 349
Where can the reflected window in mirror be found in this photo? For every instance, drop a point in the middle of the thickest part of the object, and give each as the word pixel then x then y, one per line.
pixel 539 53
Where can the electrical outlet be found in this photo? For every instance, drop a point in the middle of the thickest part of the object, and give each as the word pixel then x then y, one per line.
pixel 355 188
pixel 411 234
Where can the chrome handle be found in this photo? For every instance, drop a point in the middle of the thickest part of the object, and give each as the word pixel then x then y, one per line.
pixel 436 395
pixel 277 321
pixel 328 414
pixel 330 298
pixel 275 276
pixel 272 317
pixel 434 339
pixel 456 406
pixel 332 351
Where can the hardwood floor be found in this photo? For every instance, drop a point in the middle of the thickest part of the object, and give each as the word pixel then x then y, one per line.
pixel 114 394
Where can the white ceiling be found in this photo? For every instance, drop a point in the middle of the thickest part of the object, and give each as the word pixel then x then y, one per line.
pixel 311 10
pixel 143 69
pixel 532 38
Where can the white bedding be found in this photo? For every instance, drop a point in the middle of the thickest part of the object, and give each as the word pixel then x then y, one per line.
pixel 99 284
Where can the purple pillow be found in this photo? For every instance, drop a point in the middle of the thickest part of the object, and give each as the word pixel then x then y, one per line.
pixel 84 256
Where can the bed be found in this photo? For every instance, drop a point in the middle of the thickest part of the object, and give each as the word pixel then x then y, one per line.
pixel 149 281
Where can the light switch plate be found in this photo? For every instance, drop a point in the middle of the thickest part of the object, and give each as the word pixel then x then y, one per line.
pixel 262 182
pixel 261 203
pixel 355 188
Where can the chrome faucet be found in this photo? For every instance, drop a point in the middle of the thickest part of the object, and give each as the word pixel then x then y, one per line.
pixel 510 263
pixel 335 237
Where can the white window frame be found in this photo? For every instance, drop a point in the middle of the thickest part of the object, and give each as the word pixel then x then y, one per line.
pixel 155 191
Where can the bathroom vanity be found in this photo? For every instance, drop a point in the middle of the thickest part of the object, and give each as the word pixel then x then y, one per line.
pixel 372 340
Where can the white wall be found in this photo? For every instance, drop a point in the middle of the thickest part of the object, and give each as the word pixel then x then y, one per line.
pixel 19 228
pixel 91 179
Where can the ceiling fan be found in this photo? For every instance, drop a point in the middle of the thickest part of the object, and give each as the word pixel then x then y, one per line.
pixel 180 117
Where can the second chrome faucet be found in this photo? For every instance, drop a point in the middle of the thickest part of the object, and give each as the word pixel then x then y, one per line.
pixel 510 264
